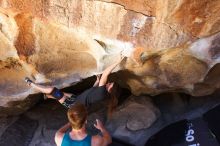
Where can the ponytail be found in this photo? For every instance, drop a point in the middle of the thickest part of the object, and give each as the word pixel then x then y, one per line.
pixel 113 100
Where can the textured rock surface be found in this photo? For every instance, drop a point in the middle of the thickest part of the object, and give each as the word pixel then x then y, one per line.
pixel 50 116
pixel 171 45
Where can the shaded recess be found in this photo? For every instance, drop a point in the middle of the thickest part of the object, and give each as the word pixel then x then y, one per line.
pixel 24 129
pixel 20 106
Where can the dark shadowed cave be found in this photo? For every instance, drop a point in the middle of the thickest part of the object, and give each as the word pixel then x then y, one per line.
pixel 38 125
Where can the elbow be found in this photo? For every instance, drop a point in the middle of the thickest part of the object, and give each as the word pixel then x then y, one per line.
pixel 58 138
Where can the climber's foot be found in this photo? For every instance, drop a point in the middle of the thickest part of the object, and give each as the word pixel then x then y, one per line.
pixel 28 81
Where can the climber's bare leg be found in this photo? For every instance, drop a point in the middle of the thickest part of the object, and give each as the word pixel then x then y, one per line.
pixel 43 89
pixel 50 92
pixel 49 96
pixel 66 95
pixel 53 91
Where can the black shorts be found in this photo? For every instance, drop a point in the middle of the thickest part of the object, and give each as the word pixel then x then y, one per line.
pixel 69 101
pixel 88 97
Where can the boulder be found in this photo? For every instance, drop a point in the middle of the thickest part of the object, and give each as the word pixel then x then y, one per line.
pixel 136 114
pixel 170 45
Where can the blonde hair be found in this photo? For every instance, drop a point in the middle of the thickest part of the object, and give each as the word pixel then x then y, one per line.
pixel 77 115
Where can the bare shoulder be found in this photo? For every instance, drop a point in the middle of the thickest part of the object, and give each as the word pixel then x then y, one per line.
pixel 97 140
pixel 59 138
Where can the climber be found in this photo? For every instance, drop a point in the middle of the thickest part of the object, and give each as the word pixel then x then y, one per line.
pixel 77 116
pixel 100 90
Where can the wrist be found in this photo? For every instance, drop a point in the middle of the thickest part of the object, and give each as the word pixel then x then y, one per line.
pixel 102 129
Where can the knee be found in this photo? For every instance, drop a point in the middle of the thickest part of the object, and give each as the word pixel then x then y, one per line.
pixel 56 93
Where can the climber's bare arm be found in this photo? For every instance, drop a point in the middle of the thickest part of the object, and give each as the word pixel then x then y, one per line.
pixel 97 81
pixel 107 71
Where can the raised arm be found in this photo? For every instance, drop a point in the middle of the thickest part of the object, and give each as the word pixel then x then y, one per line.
pixel 107 71
pixel 97 81
pixel 60 133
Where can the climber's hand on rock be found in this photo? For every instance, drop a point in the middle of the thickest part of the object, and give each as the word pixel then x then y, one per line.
pixel 120 59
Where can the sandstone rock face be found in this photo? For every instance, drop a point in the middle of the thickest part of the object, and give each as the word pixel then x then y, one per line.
pixel 170 45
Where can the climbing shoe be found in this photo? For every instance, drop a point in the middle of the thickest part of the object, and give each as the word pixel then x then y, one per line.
pixel 28 81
